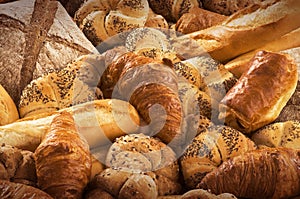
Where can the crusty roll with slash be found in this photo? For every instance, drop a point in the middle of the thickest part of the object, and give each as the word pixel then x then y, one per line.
pixel 198 19
pixel 9 190
pixel 261 93
pixel 120 118
pixel 151 87
pixel 279 134
pixel 172 10
pixel 209 149
pixel 139 153
pixel 17 165
pixel 63 160
pixel 248 29
pixel 264 173
pixel 8 109
pixel 40 36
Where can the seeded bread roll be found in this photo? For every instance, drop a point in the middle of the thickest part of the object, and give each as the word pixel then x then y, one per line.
pixel 261 93
pixel 209 149
pixel 8 109
pixel 74 84
pixel 172 10
pixel 264 173
pixel 101 19
pixel 279 134
pixel 40 37
pixel 139 153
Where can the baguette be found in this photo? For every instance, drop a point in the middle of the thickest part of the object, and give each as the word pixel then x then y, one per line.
pixel 99 121
pixel 248 29
pixel 288 41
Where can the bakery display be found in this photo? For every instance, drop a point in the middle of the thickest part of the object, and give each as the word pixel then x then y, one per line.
pixel 123 99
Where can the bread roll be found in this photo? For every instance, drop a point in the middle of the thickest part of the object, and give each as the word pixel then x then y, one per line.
pixel 209 149
pixel 261 93
pixel 156 21
pixel 279 134
pixel 13 190
pixel 8 109
pixel 248 29
pixel 40 37
pixel 101 19
pixel 198 19
pixel 288 41
pixel 74 84
pixel 120 118
pixel 264 173
pixel 204 194
pixel 143 154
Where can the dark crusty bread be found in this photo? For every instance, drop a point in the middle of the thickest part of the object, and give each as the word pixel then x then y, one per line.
pixel 39 36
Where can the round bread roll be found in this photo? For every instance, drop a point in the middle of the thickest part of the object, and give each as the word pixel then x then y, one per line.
pixel 156 21
pixel 143 154
pixel 101 19
pixel 209 149
pixel 8 109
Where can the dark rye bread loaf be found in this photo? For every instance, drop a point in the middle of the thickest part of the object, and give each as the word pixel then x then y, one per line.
pixel 37 36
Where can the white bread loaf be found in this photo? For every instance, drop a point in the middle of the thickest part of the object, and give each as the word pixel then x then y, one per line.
pixel 99 121
pixel 8 109
pixel 39 36
pixel 101 19
pixel 247 29
pixel 288 41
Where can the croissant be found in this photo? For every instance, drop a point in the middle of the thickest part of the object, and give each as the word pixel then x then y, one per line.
pixel 151 87
pixel 209 149
pixel 9 190
pixel 263 173
pixel 63 161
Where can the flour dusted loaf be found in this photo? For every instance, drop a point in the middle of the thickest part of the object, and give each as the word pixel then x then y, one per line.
pixel 39 36
pixel 261 93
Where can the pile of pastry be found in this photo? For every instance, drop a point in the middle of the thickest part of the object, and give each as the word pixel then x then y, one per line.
pixel 149 99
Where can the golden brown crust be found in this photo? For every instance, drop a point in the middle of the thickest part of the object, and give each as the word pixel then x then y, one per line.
pixel 198 19
pixel 264 173
pixel 209 149
pixel 261 93
pixel 63 161
pixel 8 109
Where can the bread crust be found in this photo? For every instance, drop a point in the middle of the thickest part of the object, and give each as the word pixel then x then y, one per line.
pixel 261 93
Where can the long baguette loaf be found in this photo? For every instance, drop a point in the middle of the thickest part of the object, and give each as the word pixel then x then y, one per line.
pixel 99 121
pixel 36 36
pixel 248 29
pixel 291 40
